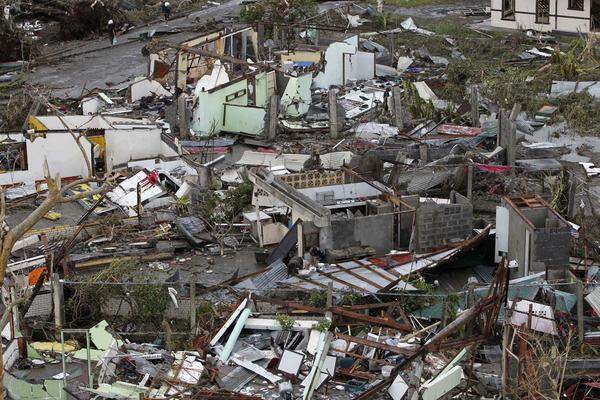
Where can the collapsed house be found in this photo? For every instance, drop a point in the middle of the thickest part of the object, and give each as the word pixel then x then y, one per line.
pixel 108 142
pixel 535 236
pixel 311 222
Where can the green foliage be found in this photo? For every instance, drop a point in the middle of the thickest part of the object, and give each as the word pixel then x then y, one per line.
pixel 418 107
pixel 452 301
pixel 150 302
pixel 279 11
pixel 182 205
pixel 236 200
pixel 581 112
pixel 385 20
pixel 223 210
pixel 421 284
pixel 285 321
pixel 323 325
pixel 559 187
pixel 317 299
pixel 568 64
pixel 87 301
pixel 88 298
pixel 350 299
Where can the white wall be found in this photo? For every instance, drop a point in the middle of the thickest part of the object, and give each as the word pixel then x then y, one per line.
pixel 359 66
pixel 61 151
pixel 344 61
pixel 123 146
pixel 559 21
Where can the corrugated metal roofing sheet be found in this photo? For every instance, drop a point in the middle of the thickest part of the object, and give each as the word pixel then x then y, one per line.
pixel 367 275
pixel 427 179
pixel 270 279
pixel 594 299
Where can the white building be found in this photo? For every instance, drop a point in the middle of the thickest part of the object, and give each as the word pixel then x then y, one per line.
pixel 547 15
pixel 110 142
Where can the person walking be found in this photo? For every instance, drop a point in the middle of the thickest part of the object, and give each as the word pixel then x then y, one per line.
pixel 165 7
pixel 112 34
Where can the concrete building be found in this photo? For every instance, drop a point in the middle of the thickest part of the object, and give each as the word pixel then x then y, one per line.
pixel 546 16
pixel 335 210
pixel 531 233
pixel 110 142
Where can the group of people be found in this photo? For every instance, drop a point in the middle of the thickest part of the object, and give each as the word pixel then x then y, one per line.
pixel 165 9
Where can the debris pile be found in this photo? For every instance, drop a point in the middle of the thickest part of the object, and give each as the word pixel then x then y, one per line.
pixel 317 201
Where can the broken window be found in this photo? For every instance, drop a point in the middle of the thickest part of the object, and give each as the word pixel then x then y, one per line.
pixel 508 9
pixel 542 11
pixel 235 95
pixel 576 5
pixel 13 156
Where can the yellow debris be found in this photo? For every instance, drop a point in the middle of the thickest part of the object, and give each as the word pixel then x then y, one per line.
pixel 70 345
pixel 53 215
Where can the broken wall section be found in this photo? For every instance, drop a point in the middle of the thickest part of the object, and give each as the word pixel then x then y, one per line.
pixel 441 224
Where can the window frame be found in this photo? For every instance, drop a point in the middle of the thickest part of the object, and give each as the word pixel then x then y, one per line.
pixel 537 13
pixel 505 16
pixel 571 7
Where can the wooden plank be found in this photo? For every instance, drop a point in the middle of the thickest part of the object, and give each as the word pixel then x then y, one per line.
pixel 386 322
pixel 376 345
pixel 375 271
pixel 339 280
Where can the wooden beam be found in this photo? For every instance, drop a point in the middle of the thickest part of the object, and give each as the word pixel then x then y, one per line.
pixel 358 276
pixel 376 345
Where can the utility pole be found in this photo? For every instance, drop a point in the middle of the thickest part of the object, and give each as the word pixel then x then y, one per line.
pixel 273 116
pixel 333 114
pixel 398 114
pixel 474 106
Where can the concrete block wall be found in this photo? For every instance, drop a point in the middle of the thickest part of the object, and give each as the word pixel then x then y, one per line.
pixel 440 224
pixel 376 231
pixel 551 247
pixel 116 307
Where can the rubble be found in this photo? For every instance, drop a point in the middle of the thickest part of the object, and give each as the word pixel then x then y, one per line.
pixel 330 205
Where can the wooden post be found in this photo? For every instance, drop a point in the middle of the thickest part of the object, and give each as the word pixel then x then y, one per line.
pixel 470 303
pixel 392 45
pixel 572 207
pixel 470 182
pixel 423 152
pixel 57 300
pixel 505 363
pixel 398 115
pixel 273 116
pixel 508 134
pixel 511 151
pixel 182 117
pixel 139 203
pixel 514 113
pixel 300 242
pixel 580 311
pixel 474 106
pixel 333 115
pixel 193 303
pixel 444 312
pixel 259 228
